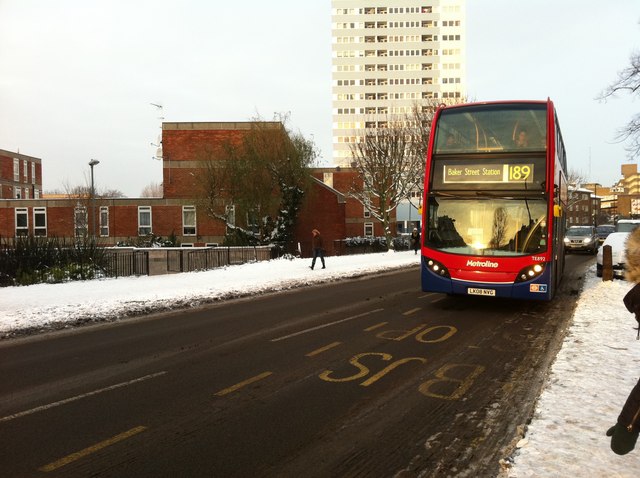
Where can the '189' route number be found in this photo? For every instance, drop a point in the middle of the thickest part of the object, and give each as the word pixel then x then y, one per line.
pixel 519 172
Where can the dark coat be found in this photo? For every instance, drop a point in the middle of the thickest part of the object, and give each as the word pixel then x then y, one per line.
pixel 415 239
pixel 632 301
pixel 624 433
pixel 630 414
pixel 316 241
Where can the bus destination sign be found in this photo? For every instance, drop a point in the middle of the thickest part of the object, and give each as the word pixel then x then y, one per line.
pixel 488 173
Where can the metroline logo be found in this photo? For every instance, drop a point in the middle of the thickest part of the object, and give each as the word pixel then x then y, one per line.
pixel 471 263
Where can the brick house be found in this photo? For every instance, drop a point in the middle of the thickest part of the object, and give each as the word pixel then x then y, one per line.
pixel 327 205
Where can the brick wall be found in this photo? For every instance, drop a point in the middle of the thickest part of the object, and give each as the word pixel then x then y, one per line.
pixel 323 209
pixel 7 183
pixel 186 146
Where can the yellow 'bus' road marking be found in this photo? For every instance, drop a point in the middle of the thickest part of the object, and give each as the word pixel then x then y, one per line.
pixel 78 397
pixel 244 383
pixel 412 311
pixel 374 327
pixel 295 334
pixel 92 449
pixel 323 349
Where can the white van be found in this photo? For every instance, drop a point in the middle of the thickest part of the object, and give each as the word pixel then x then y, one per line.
pixel 627 225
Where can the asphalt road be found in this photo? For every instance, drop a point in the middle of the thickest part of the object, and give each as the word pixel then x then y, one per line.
pixel 367 377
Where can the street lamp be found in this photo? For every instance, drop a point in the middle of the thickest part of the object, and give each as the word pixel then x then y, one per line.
pixel 92 163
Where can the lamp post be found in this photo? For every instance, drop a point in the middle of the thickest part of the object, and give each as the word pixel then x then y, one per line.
pixel 92 163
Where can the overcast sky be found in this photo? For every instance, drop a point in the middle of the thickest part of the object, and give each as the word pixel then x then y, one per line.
pixel 77 77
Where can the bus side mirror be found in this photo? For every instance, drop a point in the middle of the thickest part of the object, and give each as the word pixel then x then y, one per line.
pixel 557 211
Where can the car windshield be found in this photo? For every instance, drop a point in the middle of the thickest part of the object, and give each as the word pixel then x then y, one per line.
pixel 605 229
pixel 579 231
pixel 627 226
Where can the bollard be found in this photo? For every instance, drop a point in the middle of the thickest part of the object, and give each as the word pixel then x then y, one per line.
pixel 607 263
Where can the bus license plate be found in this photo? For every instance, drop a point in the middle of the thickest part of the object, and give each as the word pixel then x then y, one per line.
pixel 472 291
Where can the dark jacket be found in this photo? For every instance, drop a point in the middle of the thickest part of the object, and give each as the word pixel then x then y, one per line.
pixel 317 241
pixel 630 414
pixel 624 433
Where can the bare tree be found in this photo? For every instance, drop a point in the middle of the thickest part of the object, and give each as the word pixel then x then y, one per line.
pixel 152 190
pixel 255 185
pixel 390 161
pixel 388 170
pixel 576 178
pixel 628 81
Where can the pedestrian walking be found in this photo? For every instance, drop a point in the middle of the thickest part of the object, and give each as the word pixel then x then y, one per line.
pixel 624 434
pixel 318 248
pixel 415 240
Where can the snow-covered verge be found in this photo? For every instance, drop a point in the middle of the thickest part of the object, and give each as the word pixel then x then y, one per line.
pixel 595 370
pixel 47 306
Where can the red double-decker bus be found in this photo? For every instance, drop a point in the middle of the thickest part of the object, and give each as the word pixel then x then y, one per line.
pixel 494 196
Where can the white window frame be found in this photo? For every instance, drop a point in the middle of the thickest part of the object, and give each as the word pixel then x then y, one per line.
pixel 25 169
pixel 188 228
pixel 22 212
pixel 39 230
pixel 33 172
pixel 144 229
pixel 368 229
pixel 80 221
pixel 16 170
pixel 104 224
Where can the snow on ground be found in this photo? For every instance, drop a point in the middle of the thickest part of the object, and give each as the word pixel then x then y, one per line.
pixel 595 370
pixel 597 367
pixel 75 302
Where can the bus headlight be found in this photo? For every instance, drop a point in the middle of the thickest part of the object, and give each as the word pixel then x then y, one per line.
pixel 530 272
pixel 436 267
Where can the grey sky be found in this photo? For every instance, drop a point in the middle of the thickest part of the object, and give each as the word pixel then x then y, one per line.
pixel 77 77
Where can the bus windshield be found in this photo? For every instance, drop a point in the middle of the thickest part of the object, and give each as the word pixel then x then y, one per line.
pixel 492 128
pixel 473 226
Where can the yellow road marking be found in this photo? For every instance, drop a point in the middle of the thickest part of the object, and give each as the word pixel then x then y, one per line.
pixel 374 327
pixel 323 349
pixel 92 449
pixel 412 311
pixel 244 383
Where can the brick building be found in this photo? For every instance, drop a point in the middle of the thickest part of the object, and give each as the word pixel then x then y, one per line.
pixel 20 176
pixel 186 147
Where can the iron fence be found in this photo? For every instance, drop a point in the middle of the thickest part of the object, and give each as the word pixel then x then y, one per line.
pixel 129 261
pixel 210 258
pixel 122 263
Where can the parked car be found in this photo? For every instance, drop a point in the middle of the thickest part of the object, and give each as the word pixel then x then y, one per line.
pixel 627 225
pixel 617 241
pixel 603 231
pixel 581 238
